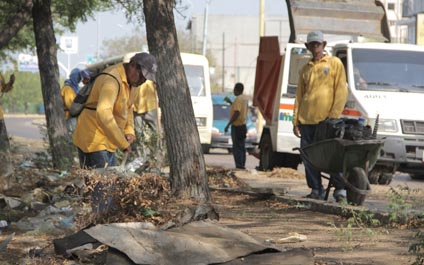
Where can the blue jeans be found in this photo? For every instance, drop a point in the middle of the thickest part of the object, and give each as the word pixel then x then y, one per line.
pixel 238 136
pixel 99 159
pixel 313 176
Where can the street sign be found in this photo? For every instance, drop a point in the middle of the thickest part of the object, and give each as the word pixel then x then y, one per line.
pixel 27 63
pixel 69 44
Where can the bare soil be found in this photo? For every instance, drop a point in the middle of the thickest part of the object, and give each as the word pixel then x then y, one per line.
pixel 333 239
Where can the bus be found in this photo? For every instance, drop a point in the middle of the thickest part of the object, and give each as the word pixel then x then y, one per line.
pixel 196 68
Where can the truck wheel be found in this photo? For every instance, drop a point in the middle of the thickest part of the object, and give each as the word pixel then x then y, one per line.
pixel 291 160
pixel 206 148
pixel 416 176
pixel 381 175
pixel 266 154
pixel 357 178
pixel 385 179
pixel 373 177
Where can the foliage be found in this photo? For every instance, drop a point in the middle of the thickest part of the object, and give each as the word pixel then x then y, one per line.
pixel 26 90
pixel 359 223
pixel 417 248
pixel 65 14
pixel 399 205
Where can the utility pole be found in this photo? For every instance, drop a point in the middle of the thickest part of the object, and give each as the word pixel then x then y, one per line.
pixel 223 62
pixel 261 18
pixel 205 27
pixel 260 119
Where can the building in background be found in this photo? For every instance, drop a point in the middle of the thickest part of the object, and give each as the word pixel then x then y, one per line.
pixel 233 41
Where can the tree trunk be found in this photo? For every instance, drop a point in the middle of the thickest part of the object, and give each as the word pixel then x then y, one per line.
pixel 6 168
pixel 60 144
pixel 188 170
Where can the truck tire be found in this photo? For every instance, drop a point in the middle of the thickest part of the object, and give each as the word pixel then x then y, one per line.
pixel 266 153
pixel 290 160
pixel 416 176
pixel 382 175
pixel 357 178
pixel 385 179
pixel 373 177
pixel 206 148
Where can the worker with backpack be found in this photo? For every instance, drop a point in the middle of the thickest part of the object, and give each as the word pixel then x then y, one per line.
pixel 106 121
pixel 70 90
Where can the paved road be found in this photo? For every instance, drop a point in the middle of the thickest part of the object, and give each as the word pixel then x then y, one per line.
pixel 28 127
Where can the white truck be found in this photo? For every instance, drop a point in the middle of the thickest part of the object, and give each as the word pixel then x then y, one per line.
pixel 384 79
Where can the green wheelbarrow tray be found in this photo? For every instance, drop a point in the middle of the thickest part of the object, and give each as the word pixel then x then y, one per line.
pixel 344 160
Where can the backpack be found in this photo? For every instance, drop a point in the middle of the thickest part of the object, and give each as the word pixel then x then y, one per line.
pixel 79 102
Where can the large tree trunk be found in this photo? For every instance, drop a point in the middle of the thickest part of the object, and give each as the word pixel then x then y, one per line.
pixel 60 144
pixel 188 170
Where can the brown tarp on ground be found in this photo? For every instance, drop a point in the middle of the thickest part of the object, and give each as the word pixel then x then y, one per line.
pixel 195 243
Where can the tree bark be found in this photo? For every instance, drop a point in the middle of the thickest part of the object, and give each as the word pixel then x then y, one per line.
pixel 6 167
pixel 60 144
pixel 188 170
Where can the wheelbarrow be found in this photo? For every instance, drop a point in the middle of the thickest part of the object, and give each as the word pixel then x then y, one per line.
pixel 346 161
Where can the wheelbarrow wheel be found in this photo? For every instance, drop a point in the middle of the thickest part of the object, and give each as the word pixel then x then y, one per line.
pixel 357 178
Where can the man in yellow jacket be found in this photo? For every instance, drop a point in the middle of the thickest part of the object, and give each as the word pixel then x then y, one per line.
pixel 106 123
pixel 146 105
pixel 238 114
pixel 146 115
pixel 321 93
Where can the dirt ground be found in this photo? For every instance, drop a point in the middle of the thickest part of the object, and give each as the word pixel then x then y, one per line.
pixel 333 239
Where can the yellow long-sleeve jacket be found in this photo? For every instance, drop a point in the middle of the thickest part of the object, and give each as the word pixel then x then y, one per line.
pixel 4 88
pixel 321 91
pixel 105 127
pixel 68 96
pixel 145 97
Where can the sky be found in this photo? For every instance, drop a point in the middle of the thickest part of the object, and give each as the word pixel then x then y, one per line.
pixel 110 25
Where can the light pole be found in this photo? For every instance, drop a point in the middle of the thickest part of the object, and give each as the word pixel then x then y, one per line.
pixel 205 27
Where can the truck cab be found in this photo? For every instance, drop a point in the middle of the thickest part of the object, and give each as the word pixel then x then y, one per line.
pixel 384 80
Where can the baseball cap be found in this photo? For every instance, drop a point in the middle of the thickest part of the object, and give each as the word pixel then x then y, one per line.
pixel 316 36
pixel 147 63
pixel 86 73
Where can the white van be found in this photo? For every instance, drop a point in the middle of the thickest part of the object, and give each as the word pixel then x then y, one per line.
pixel 197 72
pixel 196 68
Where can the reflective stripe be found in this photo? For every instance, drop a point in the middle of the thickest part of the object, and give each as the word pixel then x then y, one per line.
pixel 286 106
pixel 352 112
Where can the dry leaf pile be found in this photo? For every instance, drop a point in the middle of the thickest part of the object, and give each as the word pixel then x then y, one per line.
pixel 286 173
pixel 119 199
pixel 223 178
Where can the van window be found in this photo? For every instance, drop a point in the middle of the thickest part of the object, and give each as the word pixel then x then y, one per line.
pixel 195 79
pixel 390 70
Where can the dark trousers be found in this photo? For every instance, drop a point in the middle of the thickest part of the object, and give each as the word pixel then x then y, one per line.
pixel 313 176
pixel 99 159
pixel 238 136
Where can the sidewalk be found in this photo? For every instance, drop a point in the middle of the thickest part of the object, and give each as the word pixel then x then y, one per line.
pixel 380 200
